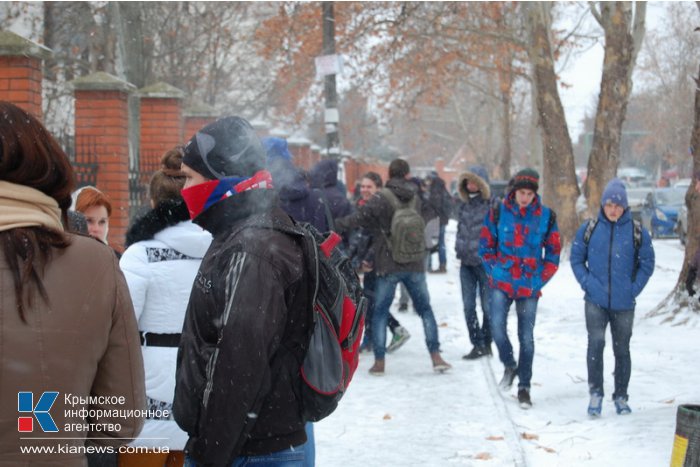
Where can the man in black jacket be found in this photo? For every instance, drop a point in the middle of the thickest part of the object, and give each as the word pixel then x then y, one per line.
pixel 377 215
pixel 247 322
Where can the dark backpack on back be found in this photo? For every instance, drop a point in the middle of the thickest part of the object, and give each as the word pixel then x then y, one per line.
pixel 338 320
pixel 406 239
pixel 636 239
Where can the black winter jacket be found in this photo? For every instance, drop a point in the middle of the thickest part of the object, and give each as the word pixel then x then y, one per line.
pixel 376 215
pixel 470 219
pixel 245 334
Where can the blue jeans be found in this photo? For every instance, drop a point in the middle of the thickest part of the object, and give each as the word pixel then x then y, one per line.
pixel 309 446
pixel 368 286
pixel 442 252
pixel 597 319
pixel 292 457
pixel 527 311
pixel 473 277
pixel 417 288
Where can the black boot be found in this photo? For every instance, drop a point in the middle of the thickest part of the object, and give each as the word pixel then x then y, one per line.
pixel 476 352
pixel 508 377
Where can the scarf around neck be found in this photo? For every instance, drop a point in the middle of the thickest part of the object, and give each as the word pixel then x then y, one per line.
pixel 201 197
pixel 22 206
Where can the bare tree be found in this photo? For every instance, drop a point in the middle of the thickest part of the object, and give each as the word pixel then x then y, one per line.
pixel 560 188
pixel 623 25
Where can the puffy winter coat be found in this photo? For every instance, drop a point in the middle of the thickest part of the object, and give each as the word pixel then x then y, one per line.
pixel 246 330
pixel 297 199
pixel 512 250
pixel 83 342
pixel 360 245
pixel 471 213
pixel 376 216
pixel 605 268
pixel 160 266
pixel 324 176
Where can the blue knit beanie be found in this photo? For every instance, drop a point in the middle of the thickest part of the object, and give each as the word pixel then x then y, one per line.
pixel 615 192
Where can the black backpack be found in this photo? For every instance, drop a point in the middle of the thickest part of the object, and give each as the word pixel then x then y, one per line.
pixel 636 239
pixel 338 321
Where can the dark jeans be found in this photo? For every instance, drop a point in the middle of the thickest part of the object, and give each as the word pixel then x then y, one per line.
pixel 417 288
pixel 369 283
pixel 290 457
pixel 527 311
pixel 474 278
pixel 597 319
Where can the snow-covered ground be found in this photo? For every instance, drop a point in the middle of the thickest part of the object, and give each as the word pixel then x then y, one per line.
pixel 412 416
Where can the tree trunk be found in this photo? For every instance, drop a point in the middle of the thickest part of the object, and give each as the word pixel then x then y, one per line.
pixel 506 157
pixel 559 178
pixel 622 42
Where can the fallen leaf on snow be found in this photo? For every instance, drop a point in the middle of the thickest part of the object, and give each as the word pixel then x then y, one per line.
pixel 529 436
pixel 387 417
pixel 484 456
pixel 494 438
pixel 550 450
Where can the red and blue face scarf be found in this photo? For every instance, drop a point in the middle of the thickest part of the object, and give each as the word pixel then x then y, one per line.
pixel 201 197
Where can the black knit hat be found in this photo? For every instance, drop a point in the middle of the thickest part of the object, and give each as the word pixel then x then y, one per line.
pixel 528 179
pixel 227 147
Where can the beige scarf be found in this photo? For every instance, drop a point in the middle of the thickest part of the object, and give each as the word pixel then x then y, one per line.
pixel 22 206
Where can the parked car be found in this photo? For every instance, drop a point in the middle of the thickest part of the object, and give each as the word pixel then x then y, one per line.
pixel 635 199
pixel 635 177
pixel 682 224
pixel 660 211
pixel 683 183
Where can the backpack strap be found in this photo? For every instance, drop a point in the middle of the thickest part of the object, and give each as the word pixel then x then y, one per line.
pixel 329 216
pixel 590 227
pixel 637 241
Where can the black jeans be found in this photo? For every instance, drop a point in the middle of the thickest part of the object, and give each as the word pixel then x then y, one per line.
pixel 597 319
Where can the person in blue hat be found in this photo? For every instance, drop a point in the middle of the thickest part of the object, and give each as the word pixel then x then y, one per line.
pixel 612 259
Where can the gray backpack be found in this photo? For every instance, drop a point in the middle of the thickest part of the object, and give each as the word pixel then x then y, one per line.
pixel 406 240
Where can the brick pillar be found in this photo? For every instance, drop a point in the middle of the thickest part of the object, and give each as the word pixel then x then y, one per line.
pixel 161 123
pixel 20 71
pixel 196 117
pixel 102 123
pixel 299 147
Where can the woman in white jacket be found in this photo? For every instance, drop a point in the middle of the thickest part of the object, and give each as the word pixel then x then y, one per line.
pixel 164 249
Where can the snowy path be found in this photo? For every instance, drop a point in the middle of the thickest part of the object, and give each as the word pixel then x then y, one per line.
pixel 412 416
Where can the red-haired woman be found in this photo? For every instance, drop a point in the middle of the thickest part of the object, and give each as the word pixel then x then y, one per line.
pixel 67 327
pixel 97 209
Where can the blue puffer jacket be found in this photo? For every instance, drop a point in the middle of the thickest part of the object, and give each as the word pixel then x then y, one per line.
pixel 605 267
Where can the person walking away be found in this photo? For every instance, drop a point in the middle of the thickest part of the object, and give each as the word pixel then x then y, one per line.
pixel 520 248
pixel 361 252
pixel 248 320
pixel 324 178
pixel 164 250
pixel 441 201
pixel 67 326
pixel 474 205
pixel 296 197
pixel 397 265
pixel 612 258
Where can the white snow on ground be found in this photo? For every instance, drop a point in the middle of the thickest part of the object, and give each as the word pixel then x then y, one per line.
pixel 412 416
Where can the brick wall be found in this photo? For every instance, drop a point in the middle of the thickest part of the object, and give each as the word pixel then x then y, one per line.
pixel 161 127
pixel 20 82
pixel 103 117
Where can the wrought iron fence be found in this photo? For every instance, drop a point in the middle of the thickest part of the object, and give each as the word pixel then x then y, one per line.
pixel 83 158
pixel 141 169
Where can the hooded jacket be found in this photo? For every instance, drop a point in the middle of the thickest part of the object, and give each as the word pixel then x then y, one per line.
pixel 324 176
pixel 160 266
pixel 245 333
pixel 296 198
pixel 376 216
pixel 82 343
pixel 512 248
pixel 470 217
pixel 605 268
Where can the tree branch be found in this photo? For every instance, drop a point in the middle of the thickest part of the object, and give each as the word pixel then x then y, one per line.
pixel 595 13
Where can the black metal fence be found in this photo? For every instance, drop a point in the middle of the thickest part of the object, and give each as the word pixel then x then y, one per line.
pixel 141 169
pixel 83 158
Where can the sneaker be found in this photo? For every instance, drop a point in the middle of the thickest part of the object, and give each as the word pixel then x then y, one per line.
pixel 401 335
pixel 476 352
pixel 377 369
pixel 622 407
pixel 403 307
pixel 439 365
pixel 524 398
pixel 508 377
pixel 595 406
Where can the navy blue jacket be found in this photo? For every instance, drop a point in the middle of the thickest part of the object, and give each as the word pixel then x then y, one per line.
pixel 471 213
pixel 296 198
pixel 605 267
pixel 324 176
